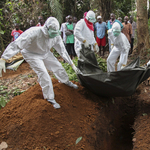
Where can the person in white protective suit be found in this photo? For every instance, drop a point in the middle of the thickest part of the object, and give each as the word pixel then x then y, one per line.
pixel 35 44
pixel 84 33
pixel 120 47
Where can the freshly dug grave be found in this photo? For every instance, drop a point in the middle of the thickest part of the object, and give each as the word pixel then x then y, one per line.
pixel 141 139
pixel 30 122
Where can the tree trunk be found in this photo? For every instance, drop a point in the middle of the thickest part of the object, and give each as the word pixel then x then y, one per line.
pixel 105 9
pixel 142 27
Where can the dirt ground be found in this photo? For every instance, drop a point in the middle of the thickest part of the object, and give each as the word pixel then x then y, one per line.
pixel 28 122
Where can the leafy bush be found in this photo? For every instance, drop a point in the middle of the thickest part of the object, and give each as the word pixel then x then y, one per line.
pixel 102 63
pixel 72 75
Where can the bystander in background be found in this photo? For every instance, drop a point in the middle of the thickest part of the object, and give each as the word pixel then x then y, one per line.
pixel 100 28
pixel 127 29
pixel 16 32
pixel 69 31
pixel 133 23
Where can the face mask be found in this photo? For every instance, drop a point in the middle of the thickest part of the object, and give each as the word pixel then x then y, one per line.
pixel 116 32
pixel 91 19
pixel 53 33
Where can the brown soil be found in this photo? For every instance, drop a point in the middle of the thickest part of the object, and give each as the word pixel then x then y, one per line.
pixel 141 139
pixel 30 122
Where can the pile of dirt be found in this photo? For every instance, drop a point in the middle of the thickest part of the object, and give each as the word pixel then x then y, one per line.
pixel 30 122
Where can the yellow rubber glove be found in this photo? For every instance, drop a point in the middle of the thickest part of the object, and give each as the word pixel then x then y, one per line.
pixel 86 44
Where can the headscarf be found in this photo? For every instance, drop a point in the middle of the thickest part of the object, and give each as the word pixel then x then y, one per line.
pixel 84 15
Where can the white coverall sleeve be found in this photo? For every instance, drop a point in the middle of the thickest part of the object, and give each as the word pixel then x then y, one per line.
pixel 77 31
pixel 60 48
pixel 14 47
pixel 11 50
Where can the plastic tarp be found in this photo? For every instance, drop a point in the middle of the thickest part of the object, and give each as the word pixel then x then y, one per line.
pixel 14 64
pixel 114 84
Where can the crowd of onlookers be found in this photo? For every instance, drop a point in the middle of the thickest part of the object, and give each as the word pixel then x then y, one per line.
pixel 128 27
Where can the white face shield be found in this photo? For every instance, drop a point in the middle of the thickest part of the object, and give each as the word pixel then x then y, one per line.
pixel 91 16
pixel 52 26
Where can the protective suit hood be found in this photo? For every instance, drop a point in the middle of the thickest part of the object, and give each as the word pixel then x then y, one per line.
pixel 116 26
pixel 90 16
pixel 116 29
pixel 51 27
pixel 52 23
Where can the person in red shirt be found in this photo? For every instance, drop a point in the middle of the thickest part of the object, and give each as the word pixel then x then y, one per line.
pixel 16 32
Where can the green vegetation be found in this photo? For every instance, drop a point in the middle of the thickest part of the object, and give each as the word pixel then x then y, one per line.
pixel 19 11
pixel 3 99
pixel 78 140
pixel 18 92
pixel 5 94
pixel 72 75
pixel 3 102
pixel 102 63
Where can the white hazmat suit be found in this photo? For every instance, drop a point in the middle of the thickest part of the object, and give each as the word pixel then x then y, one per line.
pixel 120 47
pixel 83 35
pixel 35 44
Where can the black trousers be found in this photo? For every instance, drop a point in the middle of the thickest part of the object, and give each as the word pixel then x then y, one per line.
pixel 70 49
pixel 132 41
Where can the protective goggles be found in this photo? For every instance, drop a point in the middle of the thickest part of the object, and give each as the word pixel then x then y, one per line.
pixel 116 32
pixel 91 19
pixel 53 33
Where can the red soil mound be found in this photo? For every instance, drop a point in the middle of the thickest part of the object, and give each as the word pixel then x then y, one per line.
pixel 28 121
